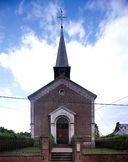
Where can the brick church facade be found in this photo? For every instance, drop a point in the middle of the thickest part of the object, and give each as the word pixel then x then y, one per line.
pixel 63 108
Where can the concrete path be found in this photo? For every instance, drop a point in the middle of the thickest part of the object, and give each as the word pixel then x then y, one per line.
pixel 61 149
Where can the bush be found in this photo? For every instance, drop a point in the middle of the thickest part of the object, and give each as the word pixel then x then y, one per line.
pixel 52 140
pixel 37 142
pixel 119 142
pixel 9 144
pixel 10 140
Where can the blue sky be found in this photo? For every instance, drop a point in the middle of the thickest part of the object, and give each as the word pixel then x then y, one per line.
pixel 96 37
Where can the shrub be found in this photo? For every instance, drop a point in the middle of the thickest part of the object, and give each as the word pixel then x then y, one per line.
pixel 113 141
pixel 52 140
pixel 9 144
pixel 37 142
pixel 10 140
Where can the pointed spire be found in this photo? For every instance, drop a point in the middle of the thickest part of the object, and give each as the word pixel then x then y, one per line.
pixel 62 60
pixel 62 67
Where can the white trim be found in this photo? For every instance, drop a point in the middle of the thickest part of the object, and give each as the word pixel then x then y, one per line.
pixel 32 119
pixel 56 114
pixel 64 108
pixel 92 123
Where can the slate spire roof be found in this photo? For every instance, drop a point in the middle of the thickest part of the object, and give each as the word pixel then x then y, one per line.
pixel 62 59
pixel 62 67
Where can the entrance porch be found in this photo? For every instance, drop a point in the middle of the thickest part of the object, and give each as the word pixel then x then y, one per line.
pixel 62 125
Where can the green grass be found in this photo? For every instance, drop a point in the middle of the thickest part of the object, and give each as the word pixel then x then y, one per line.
pixel 102 151
pixel 36 150
pixel 27 150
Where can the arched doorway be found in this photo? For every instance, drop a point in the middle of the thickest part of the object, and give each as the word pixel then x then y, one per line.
pixel 62 112
pixel 62 126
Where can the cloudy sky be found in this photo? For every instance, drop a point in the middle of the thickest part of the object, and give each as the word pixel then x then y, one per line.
pixel 96 36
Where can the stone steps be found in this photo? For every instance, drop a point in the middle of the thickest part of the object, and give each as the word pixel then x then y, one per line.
pixel 61 157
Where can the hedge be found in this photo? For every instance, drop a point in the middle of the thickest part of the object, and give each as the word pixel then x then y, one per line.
pixel 119 142
pixel 13 141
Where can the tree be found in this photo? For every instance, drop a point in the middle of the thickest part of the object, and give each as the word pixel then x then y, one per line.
pixel 97 133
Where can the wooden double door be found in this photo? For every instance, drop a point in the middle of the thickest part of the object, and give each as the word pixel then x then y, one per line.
pixel 62 131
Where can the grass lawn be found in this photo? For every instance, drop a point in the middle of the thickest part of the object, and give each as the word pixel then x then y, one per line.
pixel 26 150
pixel 102 151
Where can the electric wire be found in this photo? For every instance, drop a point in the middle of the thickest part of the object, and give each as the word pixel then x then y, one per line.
pixel 113 103
pixel 13 97
pixel 104 104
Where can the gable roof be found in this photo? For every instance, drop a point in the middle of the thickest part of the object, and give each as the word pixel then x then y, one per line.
pixel 121 129
pixel 59 81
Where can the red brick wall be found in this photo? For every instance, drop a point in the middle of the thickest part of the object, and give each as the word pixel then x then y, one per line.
pixel 70 100
pixel 87 158
pixel 32 158
pixel 105 158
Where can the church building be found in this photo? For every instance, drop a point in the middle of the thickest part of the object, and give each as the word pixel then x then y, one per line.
pixel 62 107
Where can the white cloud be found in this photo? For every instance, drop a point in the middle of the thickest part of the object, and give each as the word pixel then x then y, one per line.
pixel 103 63
pixel 31 64
pixel 45 16
pixel 96 5
pixel 6 91
pixel 103 68
pixel 118 8
pixel 20 8
pixel 4 60
pixel 76 29
pixel 43 13
pixel 51 11
pixel 35 11
pixel 49 19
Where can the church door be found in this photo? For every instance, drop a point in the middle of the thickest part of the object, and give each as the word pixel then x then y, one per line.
pixel 62 131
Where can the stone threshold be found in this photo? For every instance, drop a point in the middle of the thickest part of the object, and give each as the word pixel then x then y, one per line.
pixel 62 149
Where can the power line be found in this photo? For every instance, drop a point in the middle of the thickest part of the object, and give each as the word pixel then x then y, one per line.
pixel 13 97
pixel 112 103
pixel 107 104
pixel 104 104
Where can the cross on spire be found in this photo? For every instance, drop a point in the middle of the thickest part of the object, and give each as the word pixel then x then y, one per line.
pixel 61 17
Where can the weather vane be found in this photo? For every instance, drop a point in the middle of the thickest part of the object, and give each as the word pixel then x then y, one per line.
pixel 61 17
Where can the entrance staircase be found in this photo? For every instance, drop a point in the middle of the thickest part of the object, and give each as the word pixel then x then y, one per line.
pixel 61 154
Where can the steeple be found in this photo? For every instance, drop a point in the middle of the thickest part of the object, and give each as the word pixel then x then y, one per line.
pixel 62 67
pixel 62 60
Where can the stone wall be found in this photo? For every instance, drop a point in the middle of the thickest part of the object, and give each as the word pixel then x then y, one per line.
pixel 85 158
pixel 20 158
pixel 79 157
pixel 105 158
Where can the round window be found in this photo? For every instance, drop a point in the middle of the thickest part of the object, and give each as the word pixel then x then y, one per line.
pixel 62 92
